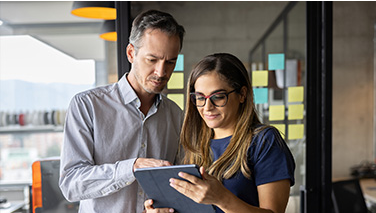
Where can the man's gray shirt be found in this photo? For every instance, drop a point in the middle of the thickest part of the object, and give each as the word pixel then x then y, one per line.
pixel 105 132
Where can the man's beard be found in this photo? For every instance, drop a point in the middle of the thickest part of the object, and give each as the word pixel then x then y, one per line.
pixel 157 79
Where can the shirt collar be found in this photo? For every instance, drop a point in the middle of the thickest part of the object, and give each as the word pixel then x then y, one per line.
pixel 129 95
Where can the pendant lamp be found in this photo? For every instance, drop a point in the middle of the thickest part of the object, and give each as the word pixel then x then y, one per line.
pixel 108 31
pixel 94 9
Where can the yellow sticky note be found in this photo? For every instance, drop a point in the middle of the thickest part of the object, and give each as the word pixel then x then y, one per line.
pixel 296 131
pixel 260 78
pixel 176 81
pixel 276 113
pixel 281 129
pixel 178 99
pixel 296 111
pixel 295 94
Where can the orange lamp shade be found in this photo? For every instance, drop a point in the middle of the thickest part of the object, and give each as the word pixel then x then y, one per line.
pixel 108 31
pixel 110 36
pixel 94 9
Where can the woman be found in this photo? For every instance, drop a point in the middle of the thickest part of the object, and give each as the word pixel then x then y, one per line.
pixel 249 166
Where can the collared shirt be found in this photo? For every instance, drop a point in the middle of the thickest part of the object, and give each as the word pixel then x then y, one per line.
pixel 105 132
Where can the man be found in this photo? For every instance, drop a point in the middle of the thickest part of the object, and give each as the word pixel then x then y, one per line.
pixel 112 130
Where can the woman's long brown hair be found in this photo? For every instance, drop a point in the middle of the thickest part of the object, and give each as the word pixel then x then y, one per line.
pixel 196 135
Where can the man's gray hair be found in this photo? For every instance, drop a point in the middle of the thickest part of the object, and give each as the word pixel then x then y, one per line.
pixel 154 19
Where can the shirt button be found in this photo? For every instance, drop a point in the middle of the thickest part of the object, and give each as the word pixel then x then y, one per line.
pixel 143 145
pixel 140 193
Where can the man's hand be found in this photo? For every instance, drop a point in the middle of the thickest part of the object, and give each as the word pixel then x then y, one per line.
pixel 149 162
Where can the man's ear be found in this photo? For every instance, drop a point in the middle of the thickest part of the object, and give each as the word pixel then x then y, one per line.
pixel 130 51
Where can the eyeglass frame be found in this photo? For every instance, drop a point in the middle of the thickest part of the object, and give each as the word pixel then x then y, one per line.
pixel 209 96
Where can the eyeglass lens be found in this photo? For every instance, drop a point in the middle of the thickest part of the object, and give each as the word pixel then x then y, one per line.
pixel 218 99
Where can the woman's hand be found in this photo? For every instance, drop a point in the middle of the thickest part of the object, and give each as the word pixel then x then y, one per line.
pixel 150 209
pixel 207 190
pixel 210 191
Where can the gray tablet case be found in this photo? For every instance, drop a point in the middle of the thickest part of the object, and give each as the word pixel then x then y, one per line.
pixel 155 182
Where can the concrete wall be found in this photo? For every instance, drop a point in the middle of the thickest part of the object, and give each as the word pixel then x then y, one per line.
pixel 353 79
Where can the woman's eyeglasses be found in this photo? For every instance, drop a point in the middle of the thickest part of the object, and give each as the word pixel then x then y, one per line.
pixel 218 99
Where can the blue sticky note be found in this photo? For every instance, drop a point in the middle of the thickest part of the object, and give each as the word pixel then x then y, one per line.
pixel 277 61
pixel 260 95
pixel 179 63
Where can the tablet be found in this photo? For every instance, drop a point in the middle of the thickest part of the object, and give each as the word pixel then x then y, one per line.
pixel 155 182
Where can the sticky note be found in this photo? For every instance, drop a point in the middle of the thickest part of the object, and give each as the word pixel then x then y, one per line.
pixel 296 111
pixel 295 94
pixel 276 113
pixel 179 63
pixel 176 81
pixel 260 78
pixel 281 129
pixel 296 131
pixel 178 99
pixel 260 95
pixel 277 61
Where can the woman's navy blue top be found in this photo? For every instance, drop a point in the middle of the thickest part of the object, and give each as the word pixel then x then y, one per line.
pixel 269 160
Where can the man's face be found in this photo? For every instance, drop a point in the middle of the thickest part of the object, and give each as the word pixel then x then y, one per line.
pixel 154 61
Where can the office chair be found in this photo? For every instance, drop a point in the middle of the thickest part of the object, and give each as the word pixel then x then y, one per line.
pixel 347 197
pixel 46 195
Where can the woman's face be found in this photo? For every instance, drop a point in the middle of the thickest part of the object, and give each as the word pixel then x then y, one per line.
pixel 221 119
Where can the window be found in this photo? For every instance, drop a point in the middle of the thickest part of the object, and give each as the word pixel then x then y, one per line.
pixel 37 83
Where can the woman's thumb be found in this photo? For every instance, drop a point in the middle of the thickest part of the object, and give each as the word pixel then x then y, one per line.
pixel 204 175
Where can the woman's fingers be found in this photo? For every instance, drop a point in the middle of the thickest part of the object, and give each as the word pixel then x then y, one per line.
pixel 204 175
pixel 206 190
pixel 148 204
pixel 150 209
pixel 191 178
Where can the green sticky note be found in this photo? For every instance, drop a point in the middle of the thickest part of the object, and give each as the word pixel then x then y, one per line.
pixel 296 112
pixel 260 95
pixel 296 131
pixel 178 99
pixel 276 113
pixel 277 61
pixel 176 81
pixel 179 63
pixel 295 94
pixel 260 78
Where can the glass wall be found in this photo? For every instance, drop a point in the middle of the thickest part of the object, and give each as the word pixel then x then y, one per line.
pixel 278 71
pixel 211 27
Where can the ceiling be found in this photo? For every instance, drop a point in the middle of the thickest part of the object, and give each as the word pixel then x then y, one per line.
pixel 52 23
